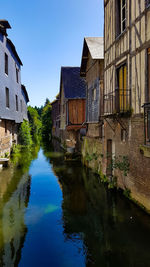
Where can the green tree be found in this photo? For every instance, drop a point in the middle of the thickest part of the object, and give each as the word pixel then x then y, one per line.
pixel 25 134
pixel 35 123
pixel 47 121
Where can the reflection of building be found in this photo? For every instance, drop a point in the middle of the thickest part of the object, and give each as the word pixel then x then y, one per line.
pixel 12 228
pixel 14 97
pixel 97 221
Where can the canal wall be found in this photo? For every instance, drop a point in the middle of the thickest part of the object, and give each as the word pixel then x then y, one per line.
pixel 130 169
pixel 92 153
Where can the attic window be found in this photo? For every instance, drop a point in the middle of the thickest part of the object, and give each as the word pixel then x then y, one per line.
pixel 6 63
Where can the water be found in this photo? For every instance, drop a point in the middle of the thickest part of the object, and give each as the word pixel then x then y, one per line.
pixel 57 213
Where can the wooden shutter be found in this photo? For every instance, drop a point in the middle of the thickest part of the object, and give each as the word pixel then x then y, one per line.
pixel 125 87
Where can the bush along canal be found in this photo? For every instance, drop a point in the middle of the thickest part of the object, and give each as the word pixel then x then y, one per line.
pixel 57 213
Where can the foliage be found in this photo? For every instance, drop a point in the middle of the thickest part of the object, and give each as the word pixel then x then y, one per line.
pixel 46 121
pixel 127 193
pixel 121 163
pixel 35 123
pixel 25 134
pixel 39 110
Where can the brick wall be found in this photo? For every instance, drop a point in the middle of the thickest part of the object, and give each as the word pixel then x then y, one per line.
pixel 138 178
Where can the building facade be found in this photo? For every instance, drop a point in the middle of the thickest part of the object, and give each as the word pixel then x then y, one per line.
pixel 92 70
pixel 14 97
pixel 72 105
pixel 126 96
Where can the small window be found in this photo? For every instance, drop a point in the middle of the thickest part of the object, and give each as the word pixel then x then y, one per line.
pixel 120 16
pixel 21 105
pixel 16 103
pixel 94 94
pixel 7 97
pixel 123 135
pixel 6 63
pixel 17 75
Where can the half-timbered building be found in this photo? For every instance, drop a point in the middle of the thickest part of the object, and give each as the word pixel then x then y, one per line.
pixel 127 95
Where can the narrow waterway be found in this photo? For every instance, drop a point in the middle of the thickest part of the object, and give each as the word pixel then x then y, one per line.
pixel 56 213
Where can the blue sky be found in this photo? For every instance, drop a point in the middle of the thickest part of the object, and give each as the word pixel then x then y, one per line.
pixel 49 34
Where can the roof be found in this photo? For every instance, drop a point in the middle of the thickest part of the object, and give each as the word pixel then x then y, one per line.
pixel 4 24
pixel 14 51
pixel 94 46
pixel 54 101
pixel 25 92
pixel 74 86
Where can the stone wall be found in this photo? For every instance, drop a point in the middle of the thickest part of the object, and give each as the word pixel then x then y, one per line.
pixel 92 153
pixel 8 136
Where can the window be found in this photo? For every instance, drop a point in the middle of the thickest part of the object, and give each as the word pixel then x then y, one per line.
pixel 6 63
pixel 123 135
pixel 7 97
pixel 17 75
pixel 21 105
pixel 94 94
pixel 120 16
pixel 146 107
pixel 16 103
pixel 122 95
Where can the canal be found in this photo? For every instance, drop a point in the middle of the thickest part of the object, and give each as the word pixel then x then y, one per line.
pixel 57 213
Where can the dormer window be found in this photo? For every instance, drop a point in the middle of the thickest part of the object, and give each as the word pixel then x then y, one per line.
pixel 120 16
pixel 17 75
pixel 6 63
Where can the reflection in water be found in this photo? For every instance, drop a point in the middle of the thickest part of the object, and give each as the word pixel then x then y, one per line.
pixel 114 231
pixel 78 223
pixel 14 198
